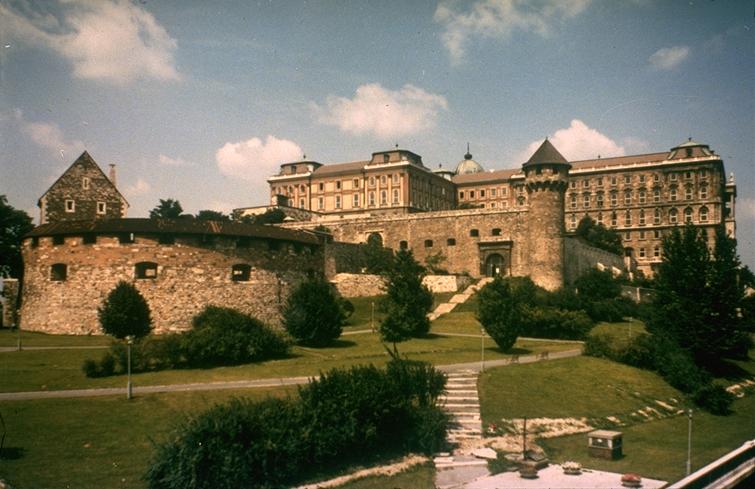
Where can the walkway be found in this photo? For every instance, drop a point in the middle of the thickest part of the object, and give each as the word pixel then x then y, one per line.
pixel 457 299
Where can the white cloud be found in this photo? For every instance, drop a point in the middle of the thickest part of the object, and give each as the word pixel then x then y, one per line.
pixel 254 159
pixel 48 135
pixel 115 41
pixel 498 19
pixel 382 112
pixel 141 187
pixel 578 142
pixel 669 58
pixel 168 161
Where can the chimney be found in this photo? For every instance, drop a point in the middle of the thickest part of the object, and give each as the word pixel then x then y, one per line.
pixel 112 173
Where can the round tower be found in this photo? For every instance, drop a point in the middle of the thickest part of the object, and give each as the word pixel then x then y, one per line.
pixel 546 176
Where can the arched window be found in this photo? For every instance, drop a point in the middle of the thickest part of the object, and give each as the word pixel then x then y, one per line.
pixel 642 217
pixel 495 232
pixel 627 197
pixel 673 216
pixel 474 233
pixel 688 215
pixel 383 197
pixel 240 272
pixel 58 272
pixel 627 218
pixel 703 214
pixel 145 270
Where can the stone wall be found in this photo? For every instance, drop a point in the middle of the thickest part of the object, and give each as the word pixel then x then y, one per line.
pixel 366 285
pixel 190 275
pixel 581 257
pixel 344 258
pixel 501 232
pixel 8 301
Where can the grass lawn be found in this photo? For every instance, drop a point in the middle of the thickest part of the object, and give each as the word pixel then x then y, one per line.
pixel 572 387
pixel 9 337
pixel 61 369
pixel 622 332
pixel 417 477
pixel 659 449
pixel 97 442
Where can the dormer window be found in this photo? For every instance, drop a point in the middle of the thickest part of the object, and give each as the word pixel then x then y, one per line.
pixel 70 205
pixel 386 158
pixel 85 183
pixel 293 169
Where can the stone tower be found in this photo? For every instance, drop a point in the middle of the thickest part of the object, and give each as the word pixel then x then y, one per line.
pixel 546 175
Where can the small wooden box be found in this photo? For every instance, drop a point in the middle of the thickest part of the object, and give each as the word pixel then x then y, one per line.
pixel 605 444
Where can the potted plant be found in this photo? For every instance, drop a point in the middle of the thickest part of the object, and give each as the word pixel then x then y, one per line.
pixel 572 468
pixel 527 470
pixel 631 480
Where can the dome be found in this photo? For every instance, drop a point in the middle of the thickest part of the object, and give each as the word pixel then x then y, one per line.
pixel 467 166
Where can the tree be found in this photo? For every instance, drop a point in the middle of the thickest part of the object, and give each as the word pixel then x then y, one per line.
pixel 14 224
pixel 697 296
pixel 596 285
pixel 407 301
pixel 599 236
pixel 271 216
pixel 500 313
pixel 166 209
pixel 125 312
pixel 313 314
pixel 210 215
pixel 377 258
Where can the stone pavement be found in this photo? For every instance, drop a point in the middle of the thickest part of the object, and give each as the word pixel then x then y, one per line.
pixel 553 477
pixel 459 298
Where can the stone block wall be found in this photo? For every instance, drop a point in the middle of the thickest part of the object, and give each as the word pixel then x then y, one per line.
pixel 344 258
pixel 581 257
pixel 366 285
pixel 190 275
pixel 8 300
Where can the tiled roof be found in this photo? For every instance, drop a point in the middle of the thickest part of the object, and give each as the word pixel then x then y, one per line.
pixel 486 176
pixel 185 226
pixel 619 160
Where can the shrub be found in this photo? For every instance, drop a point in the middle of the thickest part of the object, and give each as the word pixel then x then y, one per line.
pixel 104 368
pixel 600 345
pixel 344 416
pixel 679 370
pixel 500 313
pixel 596 285
pixel 223 336
pixel 125 312
pixel 609 310
pixel 714 398
pixel 313 313
pixel 550 322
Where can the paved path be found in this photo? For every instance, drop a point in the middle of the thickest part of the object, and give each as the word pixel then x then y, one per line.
pixel 256 383
pixel 4 349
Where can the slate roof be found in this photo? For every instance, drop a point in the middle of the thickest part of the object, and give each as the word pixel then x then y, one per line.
pixel 487 176
pixel 185 226
pixel 546 153
pixel 620 160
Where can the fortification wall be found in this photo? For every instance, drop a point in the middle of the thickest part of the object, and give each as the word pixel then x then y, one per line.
pixel 190 275
pixel 428 233
pixel 8 301
pixel 581 257
pixel 366 285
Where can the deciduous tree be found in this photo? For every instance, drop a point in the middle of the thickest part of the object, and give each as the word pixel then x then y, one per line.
pixel 407 300
pixel 125 312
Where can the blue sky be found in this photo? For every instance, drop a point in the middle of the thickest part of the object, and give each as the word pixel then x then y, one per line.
pixel 200 101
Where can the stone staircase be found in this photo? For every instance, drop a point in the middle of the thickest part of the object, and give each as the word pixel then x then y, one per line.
pixel 459 298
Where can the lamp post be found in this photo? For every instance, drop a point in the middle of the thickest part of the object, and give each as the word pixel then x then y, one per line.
pixel 482 349
pixel 17 324
pixel 129 342
pixel 689 441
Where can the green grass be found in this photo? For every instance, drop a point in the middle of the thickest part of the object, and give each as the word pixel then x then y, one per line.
pixel 622 332
pixel 61 369
pixel 417 477
pixel 97 442
pixel 573 387
pixel 9 337
pixel 658 449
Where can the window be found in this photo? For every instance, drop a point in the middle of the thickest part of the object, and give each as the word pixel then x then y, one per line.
pixel 656 252
pixel 614 219
pixel 372 181
pixel 126 238
pixel 504 191
pixel 656 195
pixel 586 200
pixel 386 158
pixel 428 243
pixel 89 238
pixel 688 175
pixel 585 183
pixel 396 178
pixel 573 201
pixel 627 178
pixel 492 192
pixel 573 221
pixel 492 205
pixel 85 183
pixel 321 186
pixel 383 197
pixel 70 205
pixel 145 270
pixel 628 236
pixel 642 235
pixel 383 180
pixel 495 232
pixel 656 177
pixel 573 184
pixel 642 252
pixel 627 218
pixel 657 216
pixel 703 214
pixel 403 245
pixel 301 203
pixel 672 194
pixel 320 203
pixel 474 233
pixel 355 200
pixel 58 240
pixel 355 183
pixel 703 191
pixel 471 194
pixel 482 194
pixel 642 217
pixel 600 181
pixel 395 196
pixel 599 199
pixel 688 215
pixel 672 177
pixel 101 207
pixel 338 202
pixel 673 216
pixel 450 242
pixel 461 195
pixel 600 218
pixel 688 192
pixel 240 272
pixel 58 272
pixel 642 196
pixel 657 234
pixel 614 199
pixel 371 199
pixel 338 185
pixel 628 197
pixel 642 178
pixel 613 180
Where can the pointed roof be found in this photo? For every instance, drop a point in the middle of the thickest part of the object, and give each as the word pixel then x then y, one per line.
pixel 84 159
pixel 546 153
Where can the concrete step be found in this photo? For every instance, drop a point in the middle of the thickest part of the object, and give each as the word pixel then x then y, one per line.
pixel 451 407
pixel 444 308
pixel 459 298
pixel 463 391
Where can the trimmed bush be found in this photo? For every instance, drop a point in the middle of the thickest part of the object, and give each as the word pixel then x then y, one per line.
pixel 125 312
pixel 500 313
pixel 313 314
pixel 346 416
pixel 714 398
pixel 223 336
pixel 550 322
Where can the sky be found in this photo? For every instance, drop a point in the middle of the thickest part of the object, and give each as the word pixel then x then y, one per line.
pixel 201 101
